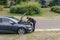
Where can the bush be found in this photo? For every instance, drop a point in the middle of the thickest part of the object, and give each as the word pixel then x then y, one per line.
pixel 1 8
pixel 19 1
pixel 3 2
pixel 30 7
pixel 56 9
pixel 53 3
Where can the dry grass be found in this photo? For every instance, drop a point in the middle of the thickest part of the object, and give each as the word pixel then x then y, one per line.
pixel 32 36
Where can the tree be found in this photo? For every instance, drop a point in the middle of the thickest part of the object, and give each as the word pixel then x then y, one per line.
pixel 43 2
pixel 53 3
pixel 3 2
pixel 18 1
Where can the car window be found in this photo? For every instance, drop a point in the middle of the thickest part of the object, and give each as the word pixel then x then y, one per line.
pixel 0 20
pixel 6 20
pixel 14 20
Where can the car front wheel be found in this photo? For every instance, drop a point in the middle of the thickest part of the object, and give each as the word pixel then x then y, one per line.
pixel 21 31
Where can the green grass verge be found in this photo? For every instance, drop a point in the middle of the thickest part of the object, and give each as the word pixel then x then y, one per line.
pixel 45 14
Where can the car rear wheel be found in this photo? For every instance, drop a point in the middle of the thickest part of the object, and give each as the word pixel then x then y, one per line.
pixel 21 31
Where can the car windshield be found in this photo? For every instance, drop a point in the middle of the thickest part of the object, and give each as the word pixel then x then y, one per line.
pixel 14 19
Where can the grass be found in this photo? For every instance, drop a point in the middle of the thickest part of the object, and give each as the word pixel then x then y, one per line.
pixel 45 14
pixel 43 35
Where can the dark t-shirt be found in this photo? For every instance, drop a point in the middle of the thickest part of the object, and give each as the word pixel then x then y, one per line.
pixel 32 20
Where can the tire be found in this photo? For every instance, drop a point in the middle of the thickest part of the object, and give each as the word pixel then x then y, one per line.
pixel 21 31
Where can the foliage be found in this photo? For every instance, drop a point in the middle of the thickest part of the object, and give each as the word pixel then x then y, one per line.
pixel 19 1
pixel 53 3
pixel 3 2
pixel 30 7
pixel 1 8
pixel 43 3
pixel 56 9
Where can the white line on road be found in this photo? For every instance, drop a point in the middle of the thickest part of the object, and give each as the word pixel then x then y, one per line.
pixel 47 30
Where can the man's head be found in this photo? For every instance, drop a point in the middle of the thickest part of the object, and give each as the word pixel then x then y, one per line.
pixel 27 17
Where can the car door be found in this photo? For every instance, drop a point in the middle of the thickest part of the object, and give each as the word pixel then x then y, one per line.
pixel 1 24
pixel 7 26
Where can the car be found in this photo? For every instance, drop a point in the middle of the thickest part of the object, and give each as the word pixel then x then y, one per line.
pixel 9 24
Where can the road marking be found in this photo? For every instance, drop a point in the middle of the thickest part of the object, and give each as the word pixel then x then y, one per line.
pixel 47 30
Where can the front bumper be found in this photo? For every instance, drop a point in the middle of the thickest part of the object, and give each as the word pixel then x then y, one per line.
pixel 29 29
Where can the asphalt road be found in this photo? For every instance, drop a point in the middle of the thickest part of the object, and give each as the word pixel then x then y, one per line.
pixel 48 24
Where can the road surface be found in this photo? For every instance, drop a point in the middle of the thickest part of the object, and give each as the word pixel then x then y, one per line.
pixel 48 24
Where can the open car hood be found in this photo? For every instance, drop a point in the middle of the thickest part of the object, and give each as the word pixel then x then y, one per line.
pixel 21 19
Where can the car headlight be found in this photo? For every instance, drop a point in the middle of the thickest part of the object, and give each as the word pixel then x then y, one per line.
pixel 28 25
pixel 29 28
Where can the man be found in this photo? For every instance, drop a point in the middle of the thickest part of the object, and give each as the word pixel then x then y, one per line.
pixel 32 21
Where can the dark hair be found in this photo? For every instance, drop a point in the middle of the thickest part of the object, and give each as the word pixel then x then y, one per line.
pixel 27 17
